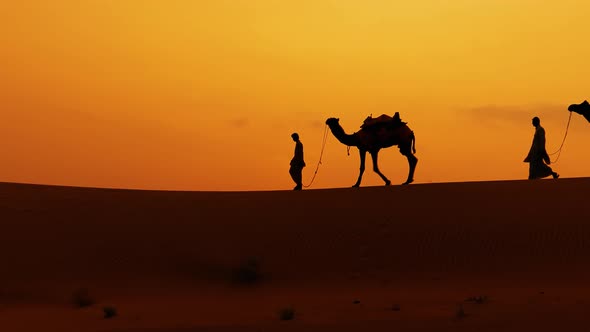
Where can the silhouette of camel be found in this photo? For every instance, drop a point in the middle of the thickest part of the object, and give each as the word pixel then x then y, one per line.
pixel 373 138
pixel 582 109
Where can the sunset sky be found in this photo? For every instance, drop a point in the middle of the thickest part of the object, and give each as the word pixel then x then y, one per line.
pixel 203 95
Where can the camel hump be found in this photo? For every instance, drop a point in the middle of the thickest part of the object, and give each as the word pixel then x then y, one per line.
pixel 382 120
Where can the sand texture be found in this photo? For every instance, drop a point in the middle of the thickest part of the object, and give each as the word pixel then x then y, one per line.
pixel 477 256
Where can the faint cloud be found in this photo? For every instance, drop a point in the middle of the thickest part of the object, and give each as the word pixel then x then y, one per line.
pixel 239 122
pixel 510 115
pixel 316 124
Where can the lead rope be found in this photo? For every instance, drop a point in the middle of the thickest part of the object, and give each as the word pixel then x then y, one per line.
pixel 325 138
pixel 558 152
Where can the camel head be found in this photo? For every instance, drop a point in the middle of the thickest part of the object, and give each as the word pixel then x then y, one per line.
pixel 332 121
pixel 581 108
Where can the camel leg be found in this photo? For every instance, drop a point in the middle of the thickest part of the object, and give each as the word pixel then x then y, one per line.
pixel 375 155
pixel 412 161
pixel 362 154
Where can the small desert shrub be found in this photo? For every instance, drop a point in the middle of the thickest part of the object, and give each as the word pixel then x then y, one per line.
pixel 248 273
pixel 82 299
pixel 478 299
pixel 460 313
pixel 109 312
pixel 287 314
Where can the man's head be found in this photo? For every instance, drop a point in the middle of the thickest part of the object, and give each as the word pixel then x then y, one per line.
pixel 536 121
pixel 295 137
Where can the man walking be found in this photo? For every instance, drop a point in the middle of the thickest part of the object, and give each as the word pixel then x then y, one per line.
pixel 297 163
pixel 538 158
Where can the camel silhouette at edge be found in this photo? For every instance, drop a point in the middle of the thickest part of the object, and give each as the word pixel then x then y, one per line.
pixel 582 109
pixel 374 138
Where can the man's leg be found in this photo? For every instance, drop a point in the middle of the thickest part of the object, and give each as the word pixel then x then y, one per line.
pixel 293 175
pixel 553 174
pixel 549 171
pixel 298 176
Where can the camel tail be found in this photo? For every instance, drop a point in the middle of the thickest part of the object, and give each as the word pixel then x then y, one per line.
pixel 413 143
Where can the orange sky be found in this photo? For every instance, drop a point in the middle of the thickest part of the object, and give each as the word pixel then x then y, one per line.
pixel 203 95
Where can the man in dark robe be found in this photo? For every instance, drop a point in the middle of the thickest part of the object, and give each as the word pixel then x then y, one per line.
pixel 538 158
pixel 297 163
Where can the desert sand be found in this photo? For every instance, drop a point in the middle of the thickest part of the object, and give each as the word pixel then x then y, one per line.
pixel 476 256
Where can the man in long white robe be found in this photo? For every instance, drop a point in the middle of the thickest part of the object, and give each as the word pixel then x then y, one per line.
pixel 538 158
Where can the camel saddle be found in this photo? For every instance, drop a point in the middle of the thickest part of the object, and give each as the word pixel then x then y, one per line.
pixel 383 120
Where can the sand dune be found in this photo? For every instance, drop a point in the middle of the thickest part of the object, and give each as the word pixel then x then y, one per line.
pixel 227 261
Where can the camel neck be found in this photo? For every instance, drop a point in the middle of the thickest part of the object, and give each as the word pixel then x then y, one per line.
pixel 342 136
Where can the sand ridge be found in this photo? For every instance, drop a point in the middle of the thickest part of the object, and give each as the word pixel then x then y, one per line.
pixel 318 248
